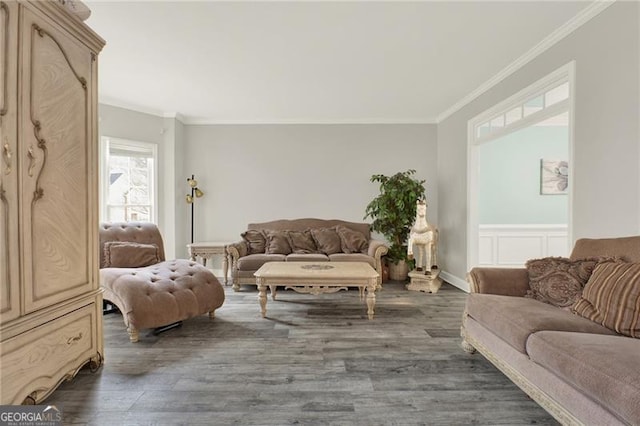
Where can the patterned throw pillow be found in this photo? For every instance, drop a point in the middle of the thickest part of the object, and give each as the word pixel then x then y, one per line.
pixel 612 297
pixel 352 241
pixel 558 281
pixel 122 254
pixel 301 242
pixel 327 240
pixel 277 242
pixel 255 240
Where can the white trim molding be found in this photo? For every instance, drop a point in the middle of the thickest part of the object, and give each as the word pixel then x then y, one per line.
pixel 560 33
pixel 455 281
pixel 213 122
pixel 564 73
pixel 107 100
pixel 195 121
pixel 512 245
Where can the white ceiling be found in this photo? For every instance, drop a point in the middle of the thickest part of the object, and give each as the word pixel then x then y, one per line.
pixel 312 62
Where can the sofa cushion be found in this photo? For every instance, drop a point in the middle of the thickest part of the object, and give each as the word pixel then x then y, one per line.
pixel 277 242
pixel 612 297
pixel 256 241
pixel 307 257
pixel 352 241
pixel 301 241
pixel 606 368
pixel 557 280
pixel 310 223
pixel 513 319
pixel 353 257
pixel 626 248
pixel 122 254
pixel 253 262
pixel 327 240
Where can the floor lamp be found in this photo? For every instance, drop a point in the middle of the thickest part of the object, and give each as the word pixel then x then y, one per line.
pixel 195 193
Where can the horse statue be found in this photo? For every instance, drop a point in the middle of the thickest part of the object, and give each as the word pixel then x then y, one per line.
pixel 425 238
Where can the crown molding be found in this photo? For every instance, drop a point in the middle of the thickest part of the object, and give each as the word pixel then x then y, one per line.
pixel 588 13
pixel 191 121
pixel 118 103
pixel 176 116
pixel 210 122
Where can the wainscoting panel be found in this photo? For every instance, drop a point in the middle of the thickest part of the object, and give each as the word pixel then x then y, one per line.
pixel 513 245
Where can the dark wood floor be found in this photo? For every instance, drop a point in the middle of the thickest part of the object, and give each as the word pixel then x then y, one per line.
pixel 314 360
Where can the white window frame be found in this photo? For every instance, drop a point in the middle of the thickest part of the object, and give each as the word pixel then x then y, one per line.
pixel 563 74
pixel 104 173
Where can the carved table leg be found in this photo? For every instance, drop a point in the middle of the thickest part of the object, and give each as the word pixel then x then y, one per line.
pixel 361 291
pixel 274 291
pixel 371 298
pixel 262 297
pixel 212 314
pixel 225 265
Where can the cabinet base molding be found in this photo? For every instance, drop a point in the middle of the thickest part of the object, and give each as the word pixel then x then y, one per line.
pixel 35 363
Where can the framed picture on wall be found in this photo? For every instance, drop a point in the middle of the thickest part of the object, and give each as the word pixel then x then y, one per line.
pixel 554 177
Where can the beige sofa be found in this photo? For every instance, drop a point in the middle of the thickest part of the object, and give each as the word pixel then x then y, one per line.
pixel 149 291
pixel 313 240
pixel 578 370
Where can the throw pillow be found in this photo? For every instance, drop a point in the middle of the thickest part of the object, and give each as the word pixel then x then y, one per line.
pixel 558 281
pixel 277 242
pixel 301 241
pixel 352 241
pixel 122 254
pixel 255 240
pixel 327 240
pixel 612 297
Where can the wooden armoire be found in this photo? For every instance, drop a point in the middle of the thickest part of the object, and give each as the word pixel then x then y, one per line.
pixel 50 298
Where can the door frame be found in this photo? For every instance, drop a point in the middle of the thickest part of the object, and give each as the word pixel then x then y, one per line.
pixel 563 74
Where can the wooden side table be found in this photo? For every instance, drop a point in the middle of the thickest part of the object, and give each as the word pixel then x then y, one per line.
pixel 207 250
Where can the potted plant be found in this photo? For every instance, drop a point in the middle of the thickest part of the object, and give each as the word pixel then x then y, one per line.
pixel 393 212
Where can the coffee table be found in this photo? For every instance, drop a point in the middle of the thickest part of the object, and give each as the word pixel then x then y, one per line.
pixel 317 278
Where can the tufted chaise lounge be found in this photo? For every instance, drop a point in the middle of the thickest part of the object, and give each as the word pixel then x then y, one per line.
pixel 158 294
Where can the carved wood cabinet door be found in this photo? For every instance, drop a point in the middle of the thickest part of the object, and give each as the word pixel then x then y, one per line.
pixel 9 249
pixel 57 164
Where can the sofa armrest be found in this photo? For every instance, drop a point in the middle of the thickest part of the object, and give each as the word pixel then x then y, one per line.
pixel 237 250
pixel 503 281
pixel 377 248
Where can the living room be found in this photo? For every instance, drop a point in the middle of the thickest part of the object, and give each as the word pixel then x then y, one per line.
pixel 312 163
pixel 437 150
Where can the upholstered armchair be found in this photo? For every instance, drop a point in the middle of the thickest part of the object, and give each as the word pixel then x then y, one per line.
pixel 150 291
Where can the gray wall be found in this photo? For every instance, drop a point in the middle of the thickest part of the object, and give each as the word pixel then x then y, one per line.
pixel 509 177
pixel 254 173
pixel 606 157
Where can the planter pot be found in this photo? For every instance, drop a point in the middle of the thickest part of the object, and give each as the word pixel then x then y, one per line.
pixel 399 271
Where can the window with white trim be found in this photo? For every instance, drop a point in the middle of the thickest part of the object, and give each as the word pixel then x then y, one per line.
pixel 558 92
pixel 128 181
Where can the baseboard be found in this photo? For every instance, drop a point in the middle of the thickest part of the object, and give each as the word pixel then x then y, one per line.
pixel 455 281
pixel 446 276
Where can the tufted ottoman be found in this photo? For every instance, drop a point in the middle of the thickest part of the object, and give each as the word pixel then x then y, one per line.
pixel 150 291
